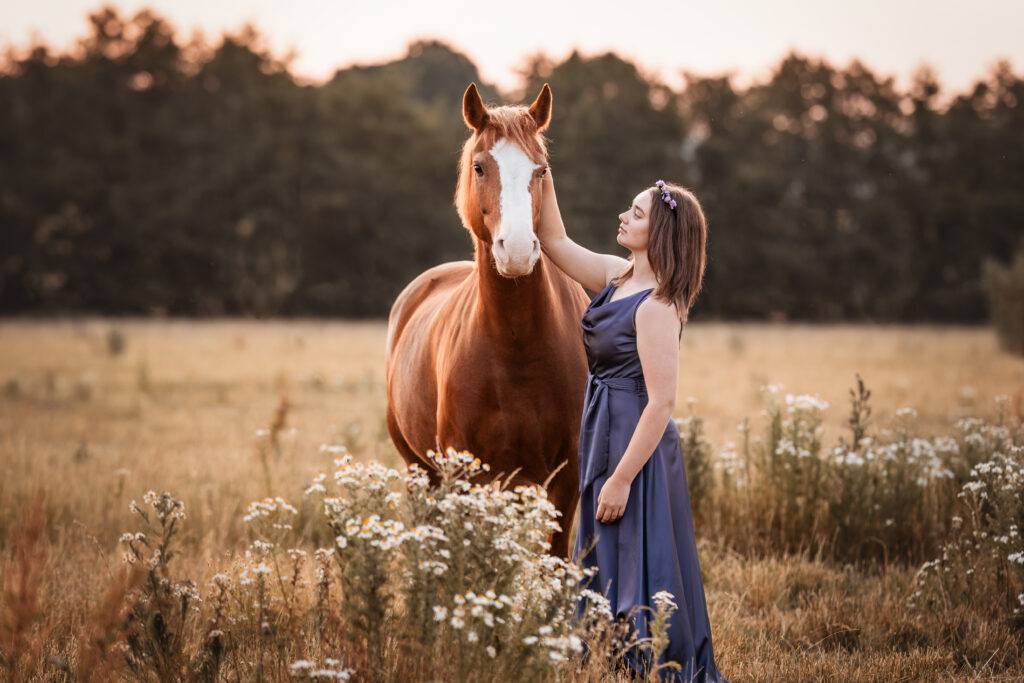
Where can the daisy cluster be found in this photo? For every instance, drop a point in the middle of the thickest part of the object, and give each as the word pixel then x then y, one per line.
pixel 508 596
pixel 464 513
pixel 268 507
pixel 985 554
pixel 731 463
pixel 305 669
pixel 169 511
pixel 665 600
pixel 926 458
pixel 796 420
pixel 167 507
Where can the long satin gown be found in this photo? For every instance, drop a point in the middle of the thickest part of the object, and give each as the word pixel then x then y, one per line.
pixel 651 547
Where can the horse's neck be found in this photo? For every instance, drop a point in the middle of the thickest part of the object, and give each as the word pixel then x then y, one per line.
pixel 510 308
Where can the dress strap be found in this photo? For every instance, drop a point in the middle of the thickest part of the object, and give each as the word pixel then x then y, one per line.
pixel 639 300
pixel 605 293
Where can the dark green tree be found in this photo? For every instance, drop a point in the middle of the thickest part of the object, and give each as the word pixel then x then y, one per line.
pixel 143 175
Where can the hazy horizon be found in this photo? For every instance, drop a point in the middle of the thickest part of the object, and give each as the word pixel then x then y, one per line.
pixel 744 39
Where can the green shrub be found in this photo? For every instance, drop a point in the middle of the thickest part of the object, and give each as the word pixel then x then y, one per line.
pixel 872 497
pixel 697 459
pixel 982 563
pixel 448 580
pixel 1004 286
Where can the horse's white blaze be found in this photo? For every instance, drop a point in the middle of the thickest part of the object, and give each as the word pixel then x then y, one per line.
pixel 518 249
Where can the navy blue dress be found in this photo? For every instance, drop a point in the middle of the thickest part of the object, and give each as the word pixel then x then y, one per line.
pixel 651 547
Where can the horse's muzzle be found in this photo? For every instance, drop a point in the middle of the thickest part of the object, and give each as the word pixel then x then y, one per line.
pixel 518 261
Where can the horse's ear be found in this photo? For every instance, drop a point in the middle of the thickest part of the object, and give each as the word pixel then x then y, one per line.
pixel 473 109
pixel 540 110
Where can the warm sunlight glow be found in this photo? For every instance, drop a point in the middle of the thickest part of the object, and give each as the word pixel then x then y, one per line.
pixel 744 37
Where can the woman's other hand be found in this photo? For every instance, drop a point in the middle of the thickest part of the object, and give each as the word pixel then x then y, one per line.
pixel 611 502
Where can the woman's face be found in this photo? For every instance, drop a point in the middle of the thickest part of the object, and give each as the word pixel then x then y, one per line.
pixel 633 223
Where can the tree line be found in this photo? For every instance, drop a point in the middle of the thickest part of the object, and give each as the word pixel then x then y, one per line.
pixel 142 174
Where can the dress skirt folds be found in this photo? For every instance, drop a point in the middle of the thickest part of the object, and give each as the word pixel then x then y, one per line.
pixel 651 548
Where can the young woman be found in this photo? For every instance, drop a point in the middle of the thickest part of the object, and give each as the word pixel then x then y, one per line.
pixel 633 491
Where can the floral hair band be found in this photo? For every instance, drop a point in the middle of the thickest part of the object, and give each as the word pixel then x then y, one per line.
pixel 665 195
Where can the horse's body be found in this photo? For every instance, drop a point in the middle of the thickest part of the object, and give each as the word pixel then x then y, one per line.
pixel 487 362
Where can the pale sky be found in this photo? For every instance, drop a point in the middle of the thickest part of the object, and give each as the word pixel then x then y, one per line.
pixel 960 40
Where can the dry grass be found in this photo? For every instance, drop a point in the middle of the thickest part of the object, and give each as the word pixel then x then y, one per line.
pixel 179 407
pixel 942 372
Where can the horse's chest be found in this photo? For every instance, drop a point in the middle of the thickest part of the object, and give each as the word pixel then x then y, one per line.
pixel 502 384
pixel 520 404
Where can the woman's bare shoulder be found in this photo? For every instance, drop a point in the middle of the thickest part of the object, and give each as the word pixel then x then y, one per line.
pixel 657 315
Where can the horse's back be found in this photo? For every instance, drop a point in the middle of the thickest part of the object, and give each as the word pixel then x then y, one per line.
pixel 428 291
pixel 411 385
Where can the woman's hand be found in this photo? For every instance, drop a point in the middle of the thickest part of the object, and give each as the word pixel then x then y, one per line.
pixel 611 502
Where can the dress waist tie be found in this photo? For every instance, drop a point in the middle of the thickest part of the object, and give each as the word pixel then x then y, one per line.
pixel 595 427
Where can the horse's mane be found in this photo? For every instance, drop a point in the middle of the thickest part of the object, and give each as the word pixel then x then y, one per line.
pixel 512 122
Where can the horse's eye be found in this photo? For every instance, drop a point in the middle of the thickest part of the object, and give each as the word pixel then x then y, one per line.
pixel 543 172
pixel 479 170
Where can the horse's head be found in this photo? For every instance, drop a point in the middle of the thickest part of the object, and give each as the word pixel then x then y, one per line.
pixel 499 190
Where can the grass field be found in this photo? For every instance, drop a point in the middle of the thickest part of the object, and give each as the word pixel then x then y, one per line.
pixel 96 412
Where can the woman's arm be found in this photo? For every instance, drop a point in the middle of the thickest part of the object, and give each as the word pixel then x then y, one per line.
pixel 657 344
pixel 590 269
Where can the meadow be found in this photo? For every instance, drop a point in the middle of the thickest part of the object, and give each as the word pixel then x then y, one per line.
pixel 96 412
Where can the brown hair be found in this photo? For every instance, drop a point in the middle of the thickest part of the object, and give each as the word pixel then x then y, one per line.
pixel 676 248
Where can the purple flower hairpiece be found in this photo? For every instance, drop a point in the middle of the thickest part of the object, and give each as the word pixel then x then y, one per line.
pixel 665 195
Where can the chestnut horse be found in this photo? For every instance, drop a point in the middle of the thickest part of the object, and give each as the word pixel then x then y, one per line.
pixel 486 355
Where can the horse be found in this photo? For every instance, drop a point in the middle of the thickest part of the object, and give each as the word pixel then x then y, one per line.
pixel 486 356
